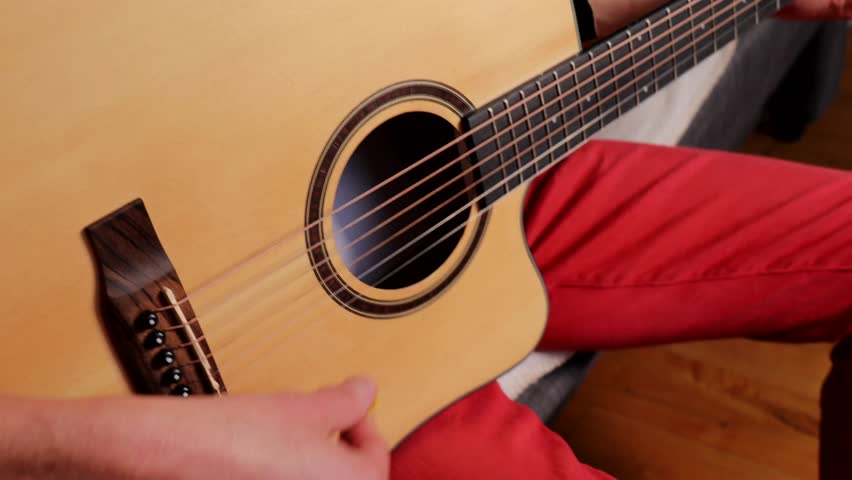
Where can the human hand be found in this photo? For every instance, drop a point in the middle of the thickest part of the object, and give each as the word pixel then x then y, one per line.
pixel 818 10
pixel 612 15
pixel 322 435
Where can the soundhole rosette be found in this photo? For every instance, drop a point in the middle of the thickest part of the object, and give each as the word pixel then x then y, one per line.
pixel 401 245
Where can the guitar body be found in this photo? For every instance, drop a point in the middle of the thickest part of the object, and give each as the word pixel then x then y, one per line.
pixel 218 117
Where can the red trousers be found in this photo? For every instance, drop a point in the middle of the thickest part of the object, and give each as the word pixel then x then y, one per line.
pixel 641 245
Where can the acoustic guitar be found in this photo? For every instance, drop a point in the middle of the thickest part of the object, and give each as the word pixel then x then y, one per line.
pixel 202 198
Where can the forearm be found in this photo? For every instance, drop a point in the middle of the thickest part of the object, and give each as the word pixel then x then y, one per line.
pixel 47 440
pixel 28 447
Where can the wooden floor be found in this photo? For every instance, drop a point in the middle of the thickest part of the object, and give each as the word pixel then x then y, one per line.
pixel 725 409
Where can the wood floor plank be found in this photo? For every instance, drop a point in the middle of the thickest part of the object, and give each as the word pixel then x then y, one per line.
pixel 800 368
pixel 710 409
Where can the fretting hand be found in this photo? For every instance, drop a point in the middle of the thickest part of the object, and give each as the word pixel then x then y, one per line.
pixel 613 15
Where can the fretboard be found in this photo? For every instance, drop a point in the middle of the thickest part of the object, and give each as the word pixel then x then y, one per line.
pixel 558 111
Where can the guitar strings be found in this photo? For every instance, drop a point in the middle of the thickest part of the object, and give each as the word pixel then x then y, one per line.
pixel 525 168
pixel 523 103
pixel 231 270
pixel 513 143
pixel 473 186
pixel 306 315
pixel 481 162
pixel 531 164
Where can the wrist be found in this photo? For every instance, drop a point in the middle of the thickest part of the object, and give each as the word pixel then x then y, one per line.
pixel 28 449
pixel 49 439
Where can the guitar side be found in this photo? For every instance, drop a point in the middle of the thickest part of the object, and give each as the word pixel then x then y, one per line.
pixel 216 117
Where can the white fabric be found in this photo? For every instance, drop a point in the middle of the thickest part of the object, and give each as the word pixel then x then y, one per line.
pixel 661 119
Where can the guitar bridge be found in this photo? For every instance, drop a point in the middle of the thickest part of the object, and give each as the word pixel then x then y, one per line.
pixel 145 309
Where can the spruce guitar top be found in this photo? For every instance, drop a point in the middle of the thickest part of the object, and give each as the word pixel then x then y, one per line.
pixel 265 195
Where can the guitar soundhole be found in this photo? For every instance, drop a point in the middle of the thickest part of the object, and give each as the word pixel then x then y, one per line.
pixel 403 230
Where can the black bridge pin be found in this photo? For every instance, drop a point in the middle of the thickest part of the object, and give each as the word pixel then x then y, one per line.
pixel 147 320
pixel 172 376
pixel 182 391
pixel 165 358
pixel 156 338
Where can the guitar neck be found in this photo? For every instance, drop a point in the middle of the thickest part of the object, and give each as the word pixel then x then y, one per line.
pixel 520 134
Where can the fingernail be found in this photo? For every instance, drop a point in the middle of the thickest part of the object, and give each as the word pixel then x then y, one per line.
pixel 365 387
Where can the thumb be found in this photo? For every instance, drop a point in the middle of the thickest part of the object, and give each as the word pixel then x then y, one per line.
pixel 343 406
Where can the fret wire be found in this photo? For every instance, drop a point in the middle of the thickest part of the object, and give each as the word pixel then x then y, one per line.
pixel 692 33
pixel 499 144
pixel 712 44
pixel 672 36
pixel 580 108
pixel 653 51
pixel 562 108
pixel 546 122
pixel 757 12
pixel 713 26
pixel 632 63
pixel 734 20
pixel 597 91
pixel 529 127
pixel 615 82
pixel 563 111
pixel 514 138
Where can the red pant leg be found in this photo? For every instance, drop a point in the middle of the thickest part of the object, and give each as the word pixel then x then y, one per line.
pixel 487 436
pixel 641 244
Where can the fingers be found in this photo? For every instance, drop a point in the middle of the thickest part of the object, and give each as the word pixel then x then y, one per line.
pixel 365 436
pixel 365 439
pixel 343 406
pixel 344 410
